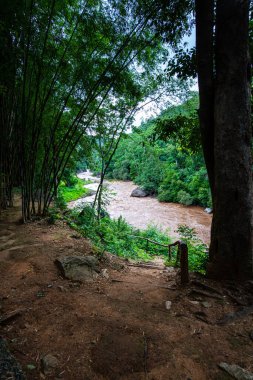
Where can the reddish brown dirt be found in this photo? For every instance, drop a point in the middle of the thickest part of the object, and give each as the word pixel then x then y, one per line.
pixel 116 328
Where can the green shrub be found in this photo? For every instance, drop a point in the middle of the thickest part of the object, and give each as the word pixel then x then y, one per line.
pixel 117 236
pixel 53 215
pixel 121 172
pixel 60 202
pixel 69 178
pixel 168 190
pixel 184 198
pixel 73 192
pixel 150 175
pixel 197 250
pixel 122 239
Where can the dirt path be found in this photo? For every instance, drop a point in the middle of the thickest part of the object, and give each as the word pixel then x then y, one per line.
pixel 111 329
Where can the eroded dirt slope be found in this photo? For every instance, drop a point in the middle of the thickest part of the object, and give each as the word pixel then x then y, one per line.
pixel 115 328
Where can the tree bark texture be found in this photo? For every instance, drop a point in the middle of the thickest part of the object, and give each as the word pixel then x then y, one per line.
pixel 231 239
pixel 205 69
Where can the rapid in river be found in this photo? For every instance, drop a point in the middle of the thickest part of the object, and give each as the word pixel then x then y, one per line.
pixel 142 212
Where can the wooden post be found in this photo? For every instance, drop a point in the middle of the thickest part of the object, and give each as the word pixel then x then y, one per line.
pixel 184 263
pixel 172 245
pixel 182 255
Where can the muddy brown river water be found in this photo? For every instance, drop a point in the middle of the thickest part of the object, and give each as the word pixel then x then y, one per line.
pixel 141 212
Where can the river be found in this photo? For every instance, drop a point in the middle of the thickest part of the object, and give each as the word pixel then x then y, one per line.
pixel 141 212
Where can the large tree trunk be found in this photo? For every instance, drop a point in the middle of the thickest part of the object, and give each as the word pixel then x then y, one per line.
pixel 231 241
pixel 204 50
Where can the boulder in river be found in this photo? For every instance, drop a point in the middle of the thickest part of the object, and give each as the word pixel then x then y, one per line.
pixel 139 193
pixel 78 268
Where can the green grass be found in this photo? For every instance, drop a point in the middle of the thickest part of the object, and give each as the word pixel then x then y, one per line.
pixel 74 192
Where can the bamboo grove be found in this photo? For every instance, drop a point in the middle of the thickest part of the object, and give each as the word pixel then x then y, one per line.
pixel 64 66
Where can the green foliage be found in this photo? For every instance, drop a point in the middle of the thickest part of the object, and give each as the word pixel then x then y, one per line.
pixel 181 124
pixel 54 214
pixel 117 236
pixel 197 250
pixel 183 64
pixel 150 179
pixel 72 190
pixel 163 157
pixel 59 202
pixel 185 180
pixel 68 178
pixel 184 198
pixel 121 239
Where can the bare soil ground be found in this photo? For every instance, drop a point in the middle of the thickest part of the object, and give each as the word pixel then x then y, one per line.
pixel 115 328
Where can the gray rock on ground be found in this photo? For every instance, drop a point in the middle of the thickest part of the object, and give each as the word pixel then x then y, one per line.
pixel 78 268
pixel 236 371
pixel 139 193
pixel 49 363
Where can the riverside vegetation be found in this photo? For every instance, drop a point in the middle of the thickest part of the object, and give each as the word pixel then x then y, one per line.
pixel 164 164
pixel 122 239
pixel 164 157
